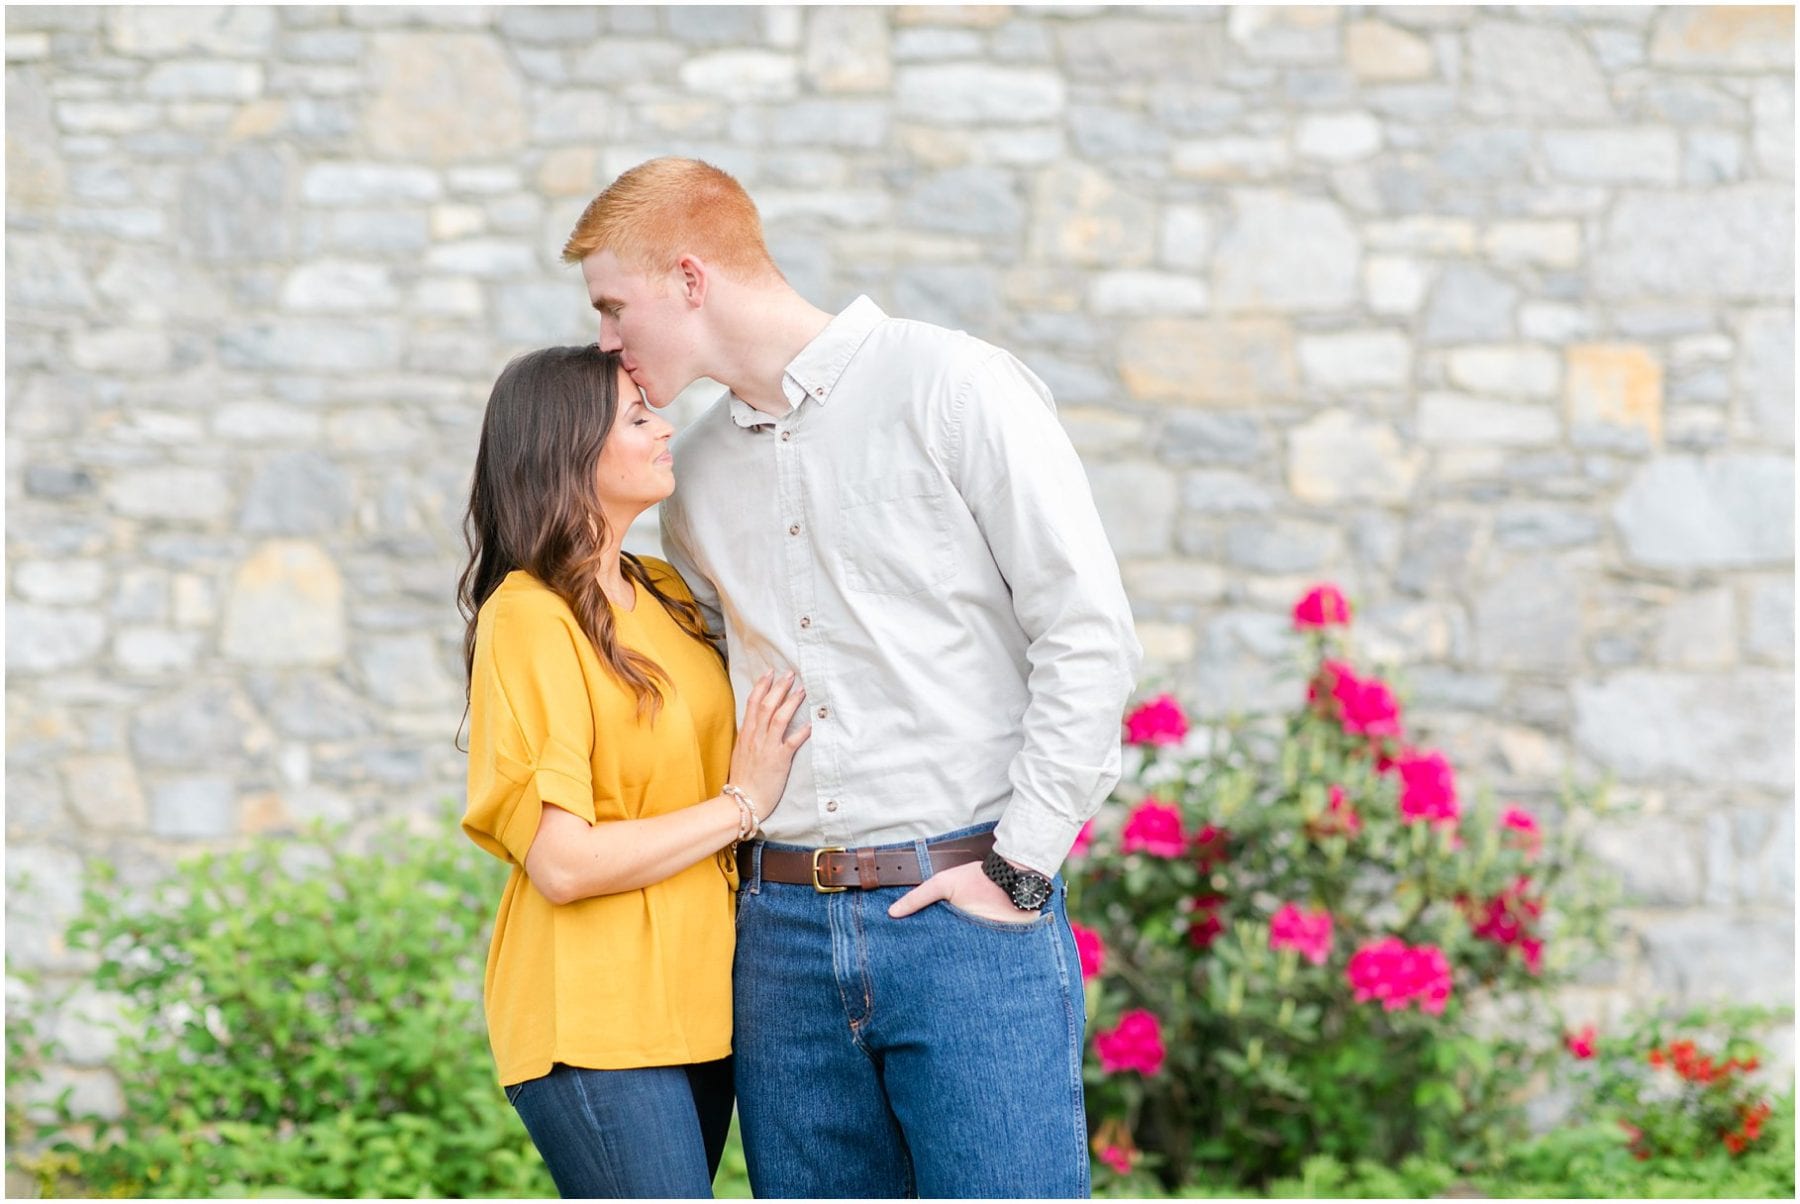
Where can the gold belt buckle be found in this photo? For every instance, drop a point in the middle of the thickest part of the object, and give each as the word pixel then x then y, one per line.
pixel 820 886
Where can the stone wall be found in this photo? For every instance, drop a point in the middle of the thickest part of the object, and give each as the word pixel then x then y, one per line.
pixel 1485 314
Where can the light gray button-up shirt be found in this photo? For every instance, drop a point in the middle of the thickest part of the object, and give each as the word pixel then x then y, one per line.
pixel 917 540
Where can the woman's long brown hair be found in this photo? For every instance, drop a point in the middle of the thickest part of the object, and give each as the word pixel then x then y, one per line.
pixel 534 506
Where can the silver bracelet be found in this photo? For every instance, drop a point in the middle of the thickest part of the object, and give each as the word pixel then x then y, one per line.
pixel 748 824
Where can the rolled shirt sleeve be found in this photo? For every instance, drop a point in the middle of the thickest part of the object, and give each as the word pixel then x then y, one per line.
pixel 1020 477
pixel 531 729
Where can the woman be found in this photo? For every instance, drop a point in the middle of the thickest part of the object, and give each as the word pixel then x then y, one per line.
pixel 602 767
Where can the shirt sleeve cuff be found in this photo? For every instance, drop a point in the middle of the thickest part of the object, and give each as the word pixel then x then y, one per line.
pixel 1032 835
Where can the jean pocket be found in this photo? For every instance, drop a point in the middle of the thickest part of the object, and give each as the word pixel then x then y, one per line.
pixel 1043 918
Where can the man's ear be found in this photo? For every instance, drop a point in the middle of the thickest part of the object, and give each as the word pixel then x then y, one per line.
pixel 695 276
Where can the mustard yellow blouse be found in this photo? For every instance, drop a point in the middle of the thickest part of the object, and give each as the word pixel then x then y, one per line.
pixel 640 978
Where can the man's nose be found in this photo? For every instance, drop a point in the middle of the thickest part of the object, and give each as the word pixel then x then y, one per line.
pixel 609 336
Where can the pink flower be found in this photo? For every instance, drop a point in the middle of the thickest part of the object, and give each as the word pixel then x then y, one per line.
pixel 1510 919
pixel 1397 974
pixel 1135 1044
pixel 1369 707
pixel 1083 839
pixel 1307 931
pixel 1522 831
pixel 1091 948
pixel 1159 721
pixel 1210 847
pixel 1427 788
pixel 1581 1044
pixel 1339 817
pixel 1154 828
pixel 1323 606
pixel 1117 1157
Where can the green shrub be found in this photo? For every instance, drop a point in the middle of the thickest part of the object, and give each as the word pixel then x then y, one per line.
pixel 314 1030
pixel 1306 938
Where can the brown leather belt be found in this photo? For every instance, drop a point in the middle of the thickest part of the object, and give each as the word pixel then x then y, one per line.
pixel 834 869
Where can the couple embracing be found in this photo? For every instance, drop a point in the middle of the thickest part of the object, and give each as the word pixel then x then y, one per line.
pixel 784 812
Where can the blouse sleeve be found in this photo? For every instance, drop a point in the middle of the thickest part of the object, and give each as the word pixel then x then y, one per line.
pixel 531 729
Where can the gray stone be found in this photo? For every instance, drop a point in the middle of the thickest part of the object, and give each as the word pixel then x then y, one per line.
pixel 1469 305
pixel 1657 860
pixel 1083 217
pixel 742 75
pixel 1285 253
pixel 339 287
pixel 1213 439
pixel 368 183
pixel 234 207
pixel 196 725
pixel 1237 670
pixel 1283 545
pixel 1137 505
pixel 1730 39
pixel 1769 608
pixel 1539 525
pixel 1448 418
pixel 713 24
pixel 1718 728
pixel 368 232
pixel 310 706
pixel 219 29
pixel 1338 457
pixel 1698 631
pixel 1614 156
pixel 1187 237
pixel 405 671
pixel 1115 48
pixel 848 50
pixel 1725 243
pixel 1440 554
pixel 1356 360
pixel 966 200
pixel 204 81
pixel 286 607
pixel 297 493
pixel 542 314
pixel 951 295
pixel 554 24
pixel 59 582
pixel 1683 512
pixel 1773 138
pixel 1722 958
pixel 915 45
pixel 44 274
pixel 1712 157
pixel 194 808
pixel 1146 293
pixel 1217 491
pixel 585 116
pixel 177 494
pixel 486 259
pixel 970 93
pixel 1293 34
pixel 1530 618
pixel 1517 69
pixel 442 98
pixel 312 345
pixel 1104 132
pixel 853 124
pixel 43 894
pixel 103 792
pixel 1765 376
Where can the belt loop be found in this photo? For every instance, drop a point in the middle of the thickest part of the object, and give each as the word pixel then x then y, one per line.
pixel 924 852
pixel 756 852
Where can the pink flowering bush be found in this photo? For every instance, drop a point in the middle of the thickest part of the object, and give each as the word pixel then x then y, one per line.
pixel 1311 934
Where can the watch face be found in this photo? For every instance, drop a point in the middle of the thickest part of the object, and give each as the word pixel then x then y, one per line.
pixel 1031 891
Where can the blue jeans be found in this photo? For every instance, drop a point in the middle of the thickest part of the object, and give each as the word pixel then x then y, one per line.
pixel 938 1055
pixel 657 1132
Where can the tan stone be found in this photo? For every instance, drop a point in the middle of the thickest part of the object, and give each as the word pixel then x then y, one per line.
pixel 847 50
pixel 1339 457
pixel 569 172
pixel 1166 643
pixel 1193 361
pixel 977 16
pixel 258 119
pixel 259 813
pixel 1083 217
pixel 1619 384
pixel 1741 36
pixel 1377 51
pixel 1548 244
pixel 443 97
pixel 286 607
pixel 104 793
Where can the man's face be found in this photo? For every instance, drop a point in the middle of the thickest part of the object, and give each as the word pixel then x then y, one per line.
pixel 648 321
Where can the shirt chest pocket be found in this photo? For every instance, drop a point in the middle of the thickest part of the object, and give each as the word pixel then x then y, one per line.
pixel 894 534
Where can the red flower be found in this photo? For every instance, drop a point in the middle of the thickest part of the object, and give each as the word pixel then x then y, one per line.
pixel 1210 847
pixel 1510 918
pixel 1159 721
pixel 1113 1146
pixel 1323 606
pixel 1091 949
pixel 1307 931
pixel 1735 1143
pixel 1427 788
pixel 1398 974
pixel 1135 1043
pixel 1522 831
pixel 1117 1157
pixel 1204 926
pixel 1083 839
pixel 1154 827
pixel 1581 1044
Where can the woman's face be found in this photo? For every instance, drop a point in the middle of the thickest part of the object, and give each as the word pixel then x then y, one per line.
pixel 636 470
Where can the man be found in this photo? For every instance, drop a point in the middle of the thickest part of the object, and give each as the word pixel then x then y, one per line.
pixel 892 510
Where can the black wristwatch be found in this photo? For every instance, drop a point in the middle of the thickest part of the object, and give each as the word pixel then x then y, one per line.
pixel 1028 889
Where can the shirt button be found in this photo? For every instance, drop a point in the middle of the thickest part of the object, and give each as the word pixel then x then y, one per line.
pixel 831 806
pixel 794 529
pixel 823 712
pixel 805 621
pixel 786 435
pixel 819 392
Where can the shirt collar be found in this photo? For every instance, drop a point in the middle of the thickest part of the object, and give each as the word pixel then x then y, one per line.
pixel 813 374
